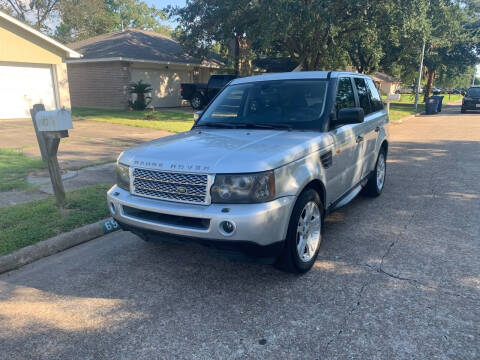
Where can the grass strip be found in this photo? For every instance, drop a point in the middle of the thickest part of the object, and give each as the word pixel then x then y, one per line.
pixel 26 224
pixel 172 121
pixel 14 169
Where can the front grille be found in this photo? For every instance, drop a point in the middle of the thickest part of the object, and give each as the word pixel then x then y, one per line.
pixel 170 186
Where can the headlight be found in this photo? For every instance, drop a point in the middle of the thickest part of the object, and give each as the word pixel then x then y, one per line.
pixel 123 176
pixel 466 98
pixel 243 188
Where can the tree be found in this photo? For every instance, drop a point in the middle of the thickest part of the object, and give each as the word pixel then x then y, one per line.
pixel 81 19
pixel 449 42
pixel 203 24
pixel 308 31
pixel 35 12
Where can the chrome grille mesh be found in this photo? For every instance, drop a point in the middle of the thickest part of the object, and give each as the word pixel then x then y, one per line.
pixel 180 187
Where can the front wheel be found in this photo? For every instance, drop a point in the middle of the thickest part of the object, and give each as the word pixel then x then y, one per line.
pixel 304 235
pixel 463 111
pixel 376 182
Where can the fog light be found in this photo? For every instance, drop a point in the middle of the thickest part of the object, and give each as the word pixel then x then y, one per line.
pixel 227 228
pixel 112 208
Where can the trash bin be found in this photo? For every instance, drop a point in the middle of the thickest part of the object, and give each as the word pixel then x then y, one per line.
pixel 431 106
pixel 440 100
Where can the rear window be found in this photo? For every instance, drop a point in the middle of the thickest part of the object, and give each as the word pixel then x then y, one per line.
pixel 363 95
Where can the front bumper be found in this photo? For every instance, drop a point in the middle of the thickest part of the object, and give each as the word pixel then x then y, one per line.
pixel 471 105
pixel 261 224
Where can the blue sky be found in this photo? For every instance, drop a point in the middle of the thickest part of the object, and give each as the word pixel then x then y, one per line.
pixel 160 4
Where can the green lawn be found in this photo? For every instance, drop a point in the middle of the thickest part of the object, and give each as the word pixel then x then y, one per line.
pixel 14 168
pixel 173 121
pixel 25 224
pixel 409 98
pixel 404 107
pixel 400 110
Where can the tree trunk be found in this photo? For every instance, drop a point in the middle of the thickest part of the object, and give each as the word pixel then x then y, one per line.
pixel 236 55
pixel 428 88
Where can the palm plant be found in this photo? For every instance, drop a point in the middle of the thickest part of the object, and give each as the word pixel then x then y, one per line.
pixel 140 89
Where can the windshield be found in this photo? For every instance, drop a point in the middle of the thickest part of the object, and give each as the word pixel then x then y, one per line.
pixel 474 92
pixel 292 104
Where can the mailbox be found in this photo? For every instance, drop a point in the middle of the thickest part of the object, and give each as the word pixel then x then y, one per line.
pixel 394 97
pixel 54 120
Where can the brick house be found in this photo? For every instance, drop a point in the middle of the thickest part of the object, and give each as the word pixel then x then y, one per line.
pixel 110 62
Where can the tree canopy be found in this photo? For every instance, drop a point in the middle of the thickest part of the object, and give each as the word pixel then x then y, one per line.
pixel 72 20
pixel 367 35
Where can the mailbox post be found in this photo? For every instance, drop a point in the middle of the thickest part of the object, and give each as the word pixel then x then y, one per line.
pixel 50 127
pixel 390 98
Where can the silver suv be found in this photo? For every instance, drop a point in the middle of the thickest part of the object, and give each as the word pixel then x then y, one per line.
pixel 269 158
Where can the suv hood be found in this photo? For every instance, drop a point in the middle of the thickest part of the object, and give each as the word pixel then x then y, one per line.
pixel 225 150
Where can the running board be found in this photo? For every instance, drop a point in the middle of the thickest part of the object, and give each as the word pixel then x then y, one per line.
pixel 349 197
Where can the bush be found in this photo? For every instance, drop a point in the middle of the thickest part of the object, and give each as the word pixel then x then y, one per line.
pixel 140 89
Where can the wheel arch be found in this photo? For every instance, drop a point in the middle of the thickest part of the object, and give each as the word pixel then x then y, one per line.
pixel 384 145
pixel 319 187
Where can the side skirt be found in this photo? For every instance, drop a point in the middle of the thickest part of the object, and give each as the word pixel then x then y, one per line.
pixel 348 196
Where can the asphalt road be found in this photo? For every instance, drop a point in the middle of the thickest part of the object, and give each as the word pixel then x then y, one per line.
pixel 398 277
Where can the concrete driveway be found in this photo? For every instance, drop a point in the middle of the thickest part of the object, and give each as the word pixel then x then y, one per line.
pixel 398 277
pixel 89 141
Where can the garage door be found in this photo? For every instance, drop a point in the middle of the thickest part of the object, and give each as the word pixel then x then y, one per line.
pixel 23 86
pixel 165 84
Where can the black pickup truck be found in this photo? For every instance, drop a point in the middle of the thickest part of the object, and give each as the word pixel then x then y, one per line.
pixel 200 94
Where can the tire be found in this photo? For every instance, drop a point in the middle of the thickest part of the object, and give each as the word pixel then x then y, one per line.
pixel 290 260
pixel 376 183
pixel 197 101
pixel 463 111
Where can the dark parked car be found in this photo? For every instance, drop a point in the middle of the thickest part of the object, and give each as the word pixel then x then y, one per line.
pixel 200 95
pixel 471 101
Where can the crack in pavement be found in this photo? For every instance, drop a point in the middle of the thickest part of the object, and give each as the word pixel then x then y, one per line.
pixel 380 268
pixel 345 319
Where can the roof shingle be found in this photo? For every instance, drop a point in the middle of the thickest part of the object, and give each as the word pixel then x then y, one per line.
pixel 136 44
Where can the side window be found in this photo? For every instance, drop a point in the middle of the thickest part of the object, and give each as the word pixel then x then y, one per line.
pixel 345 96
pixel 363 95
pixel 216 82
pixel 375 98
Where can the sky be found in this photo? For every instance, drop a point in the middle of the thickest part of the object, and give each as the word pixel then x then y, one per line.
pixel 160 4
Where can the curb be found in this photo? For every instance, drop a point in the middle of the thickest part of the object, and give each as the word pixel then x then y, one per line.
pixel 56 244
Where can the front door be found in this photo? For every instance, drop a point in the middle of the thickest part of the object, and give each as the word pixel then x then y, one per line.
pixel 346 162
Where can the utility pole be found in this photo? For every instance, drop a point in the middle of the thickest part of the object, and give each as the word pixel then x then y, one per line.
pixel 419 79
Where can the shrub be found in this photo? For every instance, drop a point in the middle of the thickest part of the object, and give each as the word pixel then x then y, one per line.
pixel 140 89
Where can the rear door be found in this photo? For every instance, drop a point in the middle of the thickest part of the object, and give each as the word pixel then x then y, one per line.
pixel 373 123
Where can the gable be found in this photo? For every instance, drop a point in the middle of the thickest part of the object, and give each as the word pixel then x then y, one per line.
pixel 18 45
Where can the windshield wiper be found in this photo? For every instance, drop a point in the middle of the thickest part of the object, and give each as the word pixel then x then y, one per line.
pixel 219 125
pixel 268 126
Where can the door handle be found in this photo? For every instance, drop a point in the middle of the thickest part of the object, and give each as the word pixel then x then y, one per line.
pixel 377 129
pixel 359 139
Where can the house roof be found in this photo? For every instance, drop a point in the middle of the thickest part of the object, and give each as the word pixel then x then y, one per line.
pixel 137 46
pixel 70 53
pixel 379 76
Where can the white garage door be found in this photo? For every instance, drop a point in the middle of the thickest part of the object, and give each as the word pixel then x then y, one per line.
pixel 23 86
pixel 165 84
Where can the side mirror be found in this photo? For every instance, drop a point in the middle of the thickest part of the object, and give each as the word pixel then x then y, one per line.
pixel 350 116
pixel 196 115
